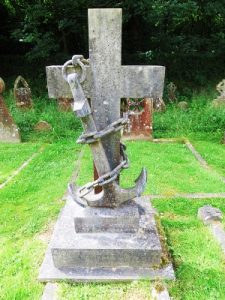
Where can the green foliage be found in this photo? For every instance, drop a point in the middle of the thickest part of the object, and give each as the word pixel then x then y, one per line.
pixel 200 118
pixel 188 37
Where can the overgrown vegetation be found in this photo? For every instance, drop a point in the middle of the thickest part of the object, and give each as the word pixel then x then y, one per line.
pixel 64 124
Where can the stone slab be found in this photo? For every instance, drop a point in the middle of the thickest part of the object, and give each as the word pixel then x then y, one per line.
pixel 93 219
pixel 104 256
pixel 209 214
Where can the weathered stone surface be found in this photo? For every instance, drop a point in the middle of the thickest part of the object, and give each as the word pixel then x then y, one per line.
pixel 183 105
pixel 8 129
pixel 209 214
pixel 22 94
pixel 2 85
pixel 42 126
pixel 140 120
pixel 102 255
pixel 124 218
pixel 220 100
pixel 159 105
pixel 160 292
pixel 65 104
pixel 171 92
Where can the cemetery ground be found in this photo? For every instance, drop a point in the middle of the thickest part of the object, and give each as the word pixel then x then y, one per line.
pixel 31 201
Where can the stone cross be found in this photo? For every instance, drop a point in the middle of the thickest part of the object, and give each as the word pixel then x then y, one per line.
pixel 107 80
pixel 96 242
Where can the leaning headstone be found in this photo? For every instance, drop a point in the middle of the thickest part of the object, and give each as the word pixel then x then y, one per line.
pixel 111 235
pixel 220 100
pixel 140 124
pixel 8 130
pixel 22 93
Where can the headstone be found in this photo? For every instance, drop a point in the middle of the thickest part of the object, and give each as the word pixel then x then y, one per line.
pixel 159 105
pixel 42 126
pixel 22 94
pixel 171 92
pixel 140 124
pixel 182 105
pixel 8 130
pixel 220 100
pixel 111 235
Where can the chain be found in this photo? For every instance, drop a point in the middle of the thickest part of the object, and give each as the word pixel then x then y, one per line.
pixel 91 137
pixel 108 177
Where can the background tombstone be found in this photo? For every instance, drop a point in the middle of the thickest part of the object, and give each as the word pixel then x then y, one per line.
pixel 140 113
pixel 220 100
pixel 8 129
pixel 22 94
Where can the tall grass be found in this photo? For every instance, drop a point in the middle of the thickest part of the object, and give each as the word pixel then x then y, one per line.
pixel 200 119
pixel 64 124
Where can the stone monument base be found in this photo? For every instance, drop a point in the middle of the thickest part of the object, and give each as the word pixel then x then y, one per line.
pixel 104 244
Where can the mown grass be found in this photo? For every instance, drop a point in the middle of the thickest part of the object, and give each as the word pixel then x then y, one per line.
pixel 31 201
pixel 172 169
pixel 12 157
pixel 27 206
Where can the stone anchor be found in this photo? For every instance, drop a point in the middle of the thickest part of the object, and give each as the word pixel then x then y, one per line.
pixel 111 235
pixel 112 195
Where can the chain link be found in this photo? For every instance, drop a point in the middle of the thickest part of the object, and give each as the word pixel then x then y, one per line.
pixel 108 177
pixel 91 137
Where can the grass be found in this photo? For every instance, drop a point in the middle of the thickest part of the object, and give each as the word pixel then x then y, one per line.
pixel 27 206
pixel 19 152
pixel 31 201
pixel 162 160
pixel 64 125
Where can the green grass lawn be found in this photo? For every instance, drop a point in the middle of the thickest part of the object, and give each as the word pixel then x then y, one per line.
pixel 213 153
pixel 172 169
pixel 27 205
pixel 13 156
pixel 32 201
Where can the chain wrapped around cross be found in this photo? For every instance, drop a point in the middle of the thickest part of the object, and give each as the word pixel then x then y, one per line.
pixel 104 80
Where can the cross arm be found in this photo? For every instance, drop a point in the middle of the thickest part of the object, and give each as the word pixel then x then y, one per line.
pixel 59 88
pixel 142 81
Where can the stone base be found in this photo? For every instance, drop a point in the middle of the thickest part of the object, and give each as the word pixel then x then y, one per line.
pixel 111 252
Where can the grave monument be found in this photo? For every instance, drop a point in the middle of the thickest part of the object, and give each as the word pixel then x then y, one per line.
pixel 111 235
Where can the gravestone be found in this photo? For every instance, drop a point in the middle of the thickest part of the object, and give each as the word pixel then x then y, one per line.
pixel 22 93
pixel 140 123
pixel 220 100
pixel 8 130
pixel 111 235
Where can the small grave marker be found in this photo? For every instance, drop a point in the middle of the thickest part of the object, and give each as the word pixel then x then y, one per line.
pixel 22 94
pixel 8 130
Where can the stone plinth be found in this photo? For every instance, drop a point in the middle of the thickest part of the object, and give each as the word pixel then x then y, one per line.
pixel 105 244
